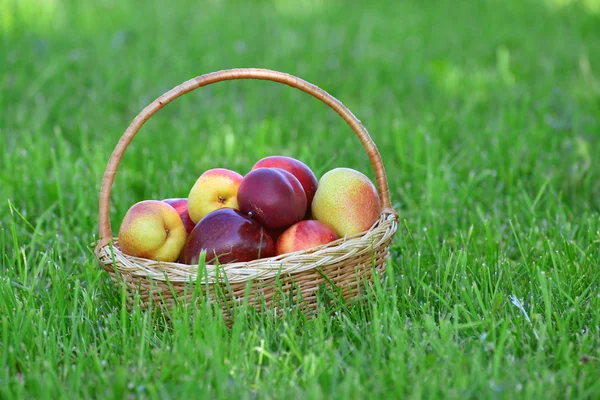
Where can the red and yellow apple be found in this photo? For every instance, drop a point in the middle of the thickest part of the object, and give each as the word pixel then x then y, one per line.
pixel 181 206
pixel 301 171
pixel 304 235
pixel 272 196
pixel 214 189
pixel 227 236
pixel 152 229
pixel 347 201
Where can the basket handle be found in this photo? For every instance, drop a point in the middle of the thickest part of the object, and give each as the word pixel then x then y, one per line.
pixel 225 75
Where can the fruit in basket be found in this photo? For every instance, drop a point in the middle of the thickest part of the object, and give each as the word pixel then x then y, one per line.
pixel 301 171
pixel 304 235
pixel 273 197
pixel 214 189
pixel 181 206
pixel 229 236
pixel 152 229
pixel 347 201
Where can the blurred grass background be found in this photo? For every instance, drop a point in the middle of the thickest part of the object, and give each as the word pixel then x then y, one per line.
pixel 485 113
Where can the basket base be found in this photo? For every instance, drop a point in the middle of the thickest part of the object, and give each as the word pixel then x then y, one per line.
pixel 277 295
pixel 342 269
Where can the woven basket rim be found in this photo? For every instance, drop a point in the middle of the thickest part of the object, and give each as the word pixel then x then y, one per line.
pixel 331 253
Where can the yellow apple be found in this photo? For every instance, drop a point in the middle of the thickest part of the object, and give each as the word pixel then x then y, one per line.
pixel 214 189
pixel 152 229
pixel 347 201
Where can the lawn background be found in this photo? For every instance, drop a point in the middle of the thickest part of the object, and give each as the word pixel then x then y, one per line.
pixel 486 114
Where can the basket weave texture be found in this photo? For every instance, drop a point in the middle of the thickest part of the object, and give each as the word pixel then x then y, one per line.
pixel 346 263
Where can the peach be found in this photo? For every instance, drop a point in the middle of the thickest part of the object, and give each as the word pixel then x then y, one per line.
pixel 152 229
pixel 181 206
pixel 214 189
pixel 304 235
pixel 347 201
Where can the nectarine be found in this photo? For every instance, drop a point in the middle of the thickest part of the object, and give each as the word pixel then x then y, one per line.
pixel 347 201
pixel 214 189
pixel 304 235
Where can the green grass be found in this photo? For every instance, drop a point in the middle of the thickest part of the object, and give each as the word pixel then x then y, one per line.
pixel 486 114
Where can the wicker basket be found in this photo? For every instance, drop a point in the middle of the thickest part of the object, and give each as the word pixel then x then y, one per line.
pixel 343 265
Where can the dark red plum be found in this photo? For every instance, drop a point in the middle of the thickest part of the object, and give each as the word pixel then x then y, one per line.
pixel 273 197
pixel 301 171
pixel 227 236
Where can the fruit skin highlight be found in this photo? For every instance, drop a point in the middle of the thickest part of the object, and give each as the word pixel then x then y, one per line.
pixel 152 229
pixel 229 236
pixel 347 201
pixel 214 189
pixel 304 235
pixel 273 197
